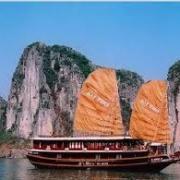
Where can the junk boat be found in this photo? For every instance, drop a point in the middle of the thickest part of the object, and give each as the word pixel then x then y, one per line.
pixel 99 141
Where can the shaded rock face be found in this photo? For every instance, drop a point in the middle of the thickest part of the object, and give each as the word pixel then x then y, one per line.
pixel 129 84
pixel 3 107
pixel 174 103
pixel 44 91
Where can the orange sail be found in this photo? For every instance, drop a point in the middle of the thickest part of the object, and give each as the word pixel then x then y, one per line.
pixel 149 119
pixel 98 108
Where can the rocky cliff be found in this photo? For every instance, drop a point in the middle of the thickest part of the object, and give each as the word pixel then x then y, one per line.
pixel 174 102
pixel 43 92
pixel 129 83
pixel 3 106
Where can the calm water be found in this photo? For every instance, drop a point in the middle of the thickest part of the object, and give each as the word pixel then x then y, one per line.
pixel 21 169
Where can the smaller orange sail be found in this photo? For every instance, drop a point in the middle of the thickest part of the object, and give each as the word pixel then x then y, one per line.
pixel 149 119
pixel 98 108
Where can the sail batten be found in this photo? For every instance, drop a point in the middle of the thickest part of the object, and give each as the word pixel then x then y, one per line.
pixel 98 108
pixel 149 119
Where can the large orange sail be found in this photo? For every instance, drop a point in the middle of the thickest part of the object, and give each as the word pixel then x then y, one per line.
pixel 98 108
pixel 149 119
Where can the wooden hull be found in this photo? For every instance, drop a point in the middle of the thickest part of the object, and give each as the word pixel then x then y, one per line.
pixel 148 163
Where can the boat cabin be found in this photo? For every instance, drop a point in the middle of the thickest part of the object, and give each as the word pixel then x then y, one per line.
pixel 88 143
pixel 158 148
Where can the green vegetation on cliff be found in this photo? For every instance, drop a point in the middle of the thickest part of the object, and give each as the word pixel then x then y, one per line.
pixel 6 137
pixel 63 55
pixel 3 109
pixel 74 57
pixel 18 75
pixel 174 75
pixel 128 77
pixel 51 75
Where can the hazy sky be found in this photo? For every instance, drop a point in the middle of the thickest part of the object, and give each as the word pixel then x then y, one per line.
pixel 141 37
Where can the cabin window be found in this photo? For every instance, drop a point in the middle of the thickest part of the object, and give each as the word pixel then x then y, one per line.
pixel 98 156
pixel 53 146
pixel 36 145
pixel 59 156
pixel 60 145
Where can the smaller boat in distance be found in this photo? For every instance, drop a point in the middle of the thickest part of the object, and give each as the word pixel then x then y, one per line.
pixel 99 141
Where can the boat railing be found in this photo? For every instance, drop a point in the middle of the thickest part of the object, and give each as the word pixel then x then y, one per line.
pixel 77 146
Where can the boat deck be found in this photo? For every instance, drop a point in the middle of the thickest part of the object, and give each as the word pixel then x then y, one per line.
pixel 87 151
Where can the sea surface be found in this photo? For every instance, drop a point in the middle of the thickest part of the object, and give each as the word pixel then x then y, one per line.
pixel 21 169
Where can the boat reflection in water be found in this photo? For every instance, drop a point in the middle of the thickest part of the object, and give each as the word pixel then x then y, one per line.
pixel 99 141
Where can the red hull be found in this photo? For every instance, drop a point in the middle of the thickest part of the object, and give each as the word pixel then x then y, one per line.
pixel 126 164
